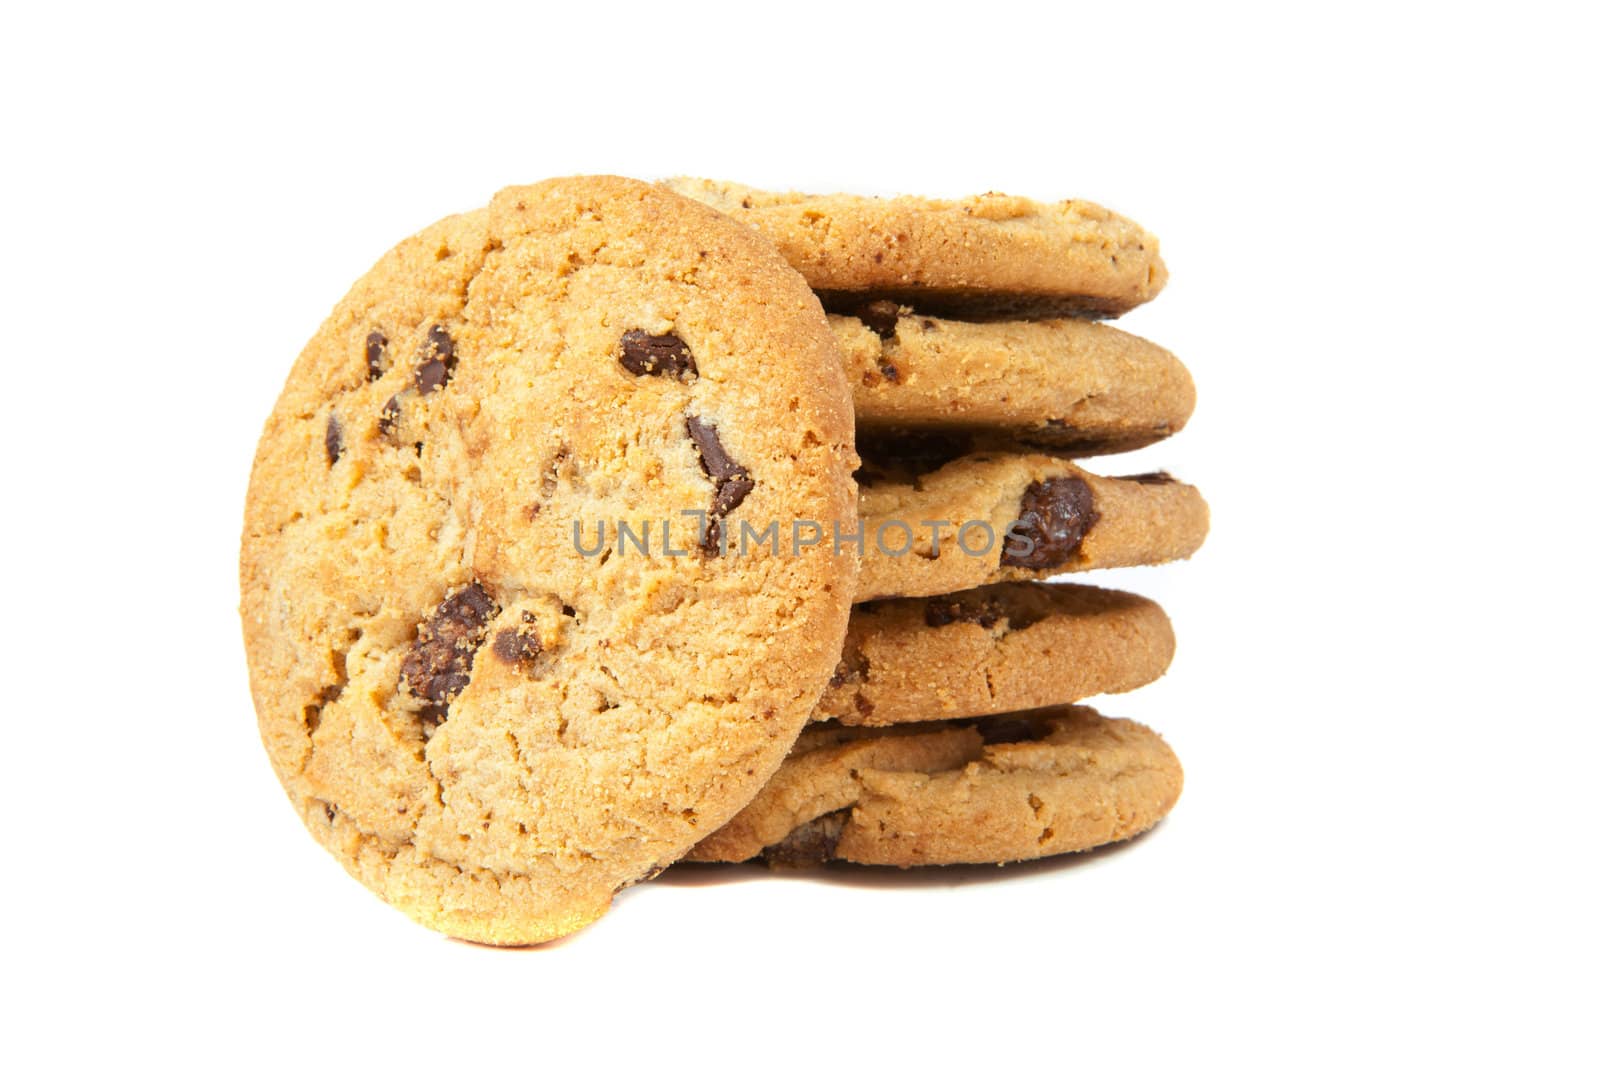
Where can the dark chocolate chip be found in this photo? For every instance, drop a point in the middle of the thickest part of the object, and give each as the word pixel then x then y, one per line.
pixel 880 316
pixel 732 479
pixel 431 375
pixel 1152 478
pixel 809 844
pixel 435 371
pixel 518 645
pixel 711 539
pixel 569 611
pixel 377 345
pixel 731 494
pixel 910 454
pixel 442 342
pixel 667 354
pixel 333 440
pixel 853 667
pixel 439 664
pixel 1056 515
pixel 890 372
pixel 389 418
pixel 942 611
pixel 1008 731
pixel 713 457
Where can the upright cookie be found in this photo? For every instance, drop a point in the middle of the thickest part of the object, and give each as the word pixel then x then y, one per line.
pixel 1061 384
pixel 986 651
pixel 989 256
pixel 997 516
pixel 492 709
pixel 1013 787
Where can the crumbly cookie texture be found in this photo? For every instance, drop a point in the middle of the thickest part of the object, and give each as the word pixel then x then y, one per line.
pixel 992 256
pixel 1011 787
pixel 490 729
pixel 1062 384
pixel 1000 648
pixel 917 540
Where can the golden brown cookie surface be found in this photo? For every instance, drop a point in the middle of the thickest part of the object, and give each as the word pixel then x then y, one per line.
pixel 489 726
pixel 1061 384
pixel 936 527
pixel 989 256
pixel 1000 648
pixel 1012 787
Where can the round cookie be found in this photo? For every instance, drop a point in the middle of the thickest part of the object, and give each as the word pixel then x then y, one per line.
pixel 986 651
pixel 998 516
pixel 1061 384
pixel 1012 787
pixel 491 726
pixel 989 256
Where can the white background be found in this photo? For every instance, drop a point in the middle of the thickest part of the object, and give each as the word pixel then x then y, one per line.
pixel 1381 224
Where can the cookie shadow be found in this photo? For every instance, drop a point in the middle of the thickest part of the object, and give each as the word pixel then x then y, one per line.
pixel 857 876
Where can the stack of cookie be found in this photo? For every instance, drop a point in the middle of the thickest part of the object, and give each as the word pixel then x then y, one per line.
pixel 510 647
pixel 947 734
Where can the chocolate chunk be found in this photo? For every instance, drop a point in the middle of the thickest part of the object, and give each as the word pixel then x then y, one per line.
pixel 439 663
pixel 431 375
pixel 1008 731
pixel 809 844
pixel 853 667
pixel 377 345
pixel 1056 515
pixel 1152 478
pixel 389 418
pixel 667 354
pixel 435 371
pixel 732 480
pixel 518 645
pixel 910 454
pixel 333 440
pixel 730 494
pixel 942 611
pixel 880 316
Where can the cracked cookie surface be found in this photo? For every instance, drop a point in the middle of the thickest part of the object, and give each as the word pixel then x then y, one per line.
pixel 989 256
pixel 490 728
pixel 942 526
pixel 1011 787
pixel 1001 648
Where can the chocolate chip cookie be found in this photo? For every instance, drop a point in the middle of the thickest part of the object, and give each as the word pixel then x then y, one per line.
pixel 491 726
pixel 989 256
pixel 986 651
pixel 994 790
pixel 1063 384
pixel 995 516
